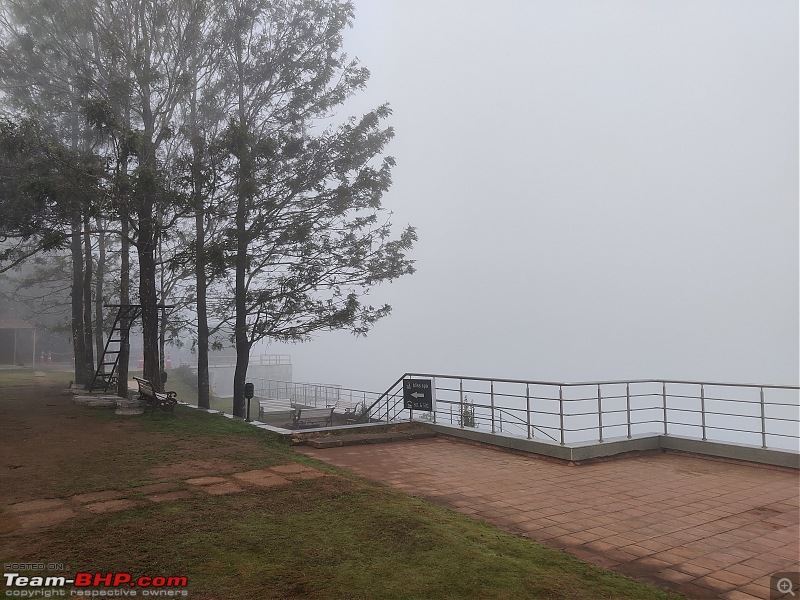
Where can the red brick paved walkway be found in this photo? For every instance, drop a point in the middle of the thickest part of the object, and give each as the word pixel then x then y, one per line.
pixel 706 528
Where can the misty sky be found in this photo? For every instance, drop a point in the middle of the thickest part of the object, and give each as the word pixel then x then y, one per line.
pixel 602 190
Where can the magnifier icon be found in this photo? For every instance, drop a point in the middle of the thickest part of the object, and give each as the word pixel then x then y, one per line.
pixel 784 586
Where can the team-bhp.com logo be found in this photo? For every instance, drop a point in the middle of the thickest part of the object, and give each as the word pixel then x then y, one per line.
pixel 89 584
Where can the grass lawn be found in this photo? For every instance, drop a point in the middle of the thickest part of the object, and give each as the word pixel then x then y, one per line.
pixel 336 536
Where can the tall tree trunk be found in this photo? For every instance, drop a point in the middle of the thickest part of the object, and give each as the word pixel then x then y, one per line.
pixel 201 279
pixel 240 300
pixel 203 386
pixel 162 335
pixel 148 298
pixel 125 266
pixel 124 298
pixel 87 295
pixel 240 331
pixel 162 321
pixel 145 246
pixel 78 339
pixel 240 296
pixel 147 240
pixel 98 291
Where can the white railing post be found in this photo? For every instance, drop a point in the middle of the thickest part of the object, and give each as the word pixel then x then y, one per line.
pixel 599 413
pixel 628 401
pixel 763 421
pixel 491 393
pixel 703 409
pixel 433 398
pixel 561 412
pixel 461 402
pixel 664 403
pixel 528 407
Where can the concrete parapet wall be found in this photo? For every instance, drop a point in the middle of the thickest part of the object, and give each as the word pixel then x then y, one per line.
pixel 616 446
pixel 768 456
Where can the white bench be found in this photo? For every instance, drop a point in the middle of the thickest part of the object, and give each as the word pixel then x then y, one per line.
pixel 275 406
pixel 305 417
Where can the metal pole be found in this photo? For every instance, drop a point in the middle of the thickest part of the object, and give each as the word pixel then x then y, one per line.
pixel 491 392
pixel 664 403
pixel 703 409
pixel 628 400
pixel 561 411
pixel 528 406
pixel 461 402
pixel 763 422
pixel 599 413
pixel 433 398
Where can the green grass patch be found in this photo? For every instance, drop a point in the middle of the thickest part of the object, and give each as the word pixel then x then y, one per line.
pixel 24 376
pixel 332 538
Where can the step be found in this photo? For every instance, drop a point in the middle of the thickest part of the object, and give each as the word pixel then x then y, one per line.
pixel 366 438
pixel 126 404
pixel 97 401
pixel 129 412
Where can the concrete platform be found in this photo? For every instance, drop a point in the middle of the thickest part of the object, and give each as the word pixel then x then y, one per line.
pixel 703 527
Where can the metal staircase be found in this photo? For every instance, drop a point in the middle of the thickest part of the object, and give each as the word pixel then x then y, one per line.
pixel 126 315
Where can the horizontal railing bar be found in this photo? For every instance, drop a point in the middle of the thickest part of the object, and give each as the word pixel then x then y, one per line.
pixel 612 382
pixel 683 423
pixel 510 411
pixel 594 398
pixel 721 414
pixel 489 406
pixel 718 428
pixel 752 417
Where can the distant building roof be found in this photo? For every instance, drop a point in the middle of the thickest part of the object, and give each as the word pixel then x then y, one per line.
pixel 15 324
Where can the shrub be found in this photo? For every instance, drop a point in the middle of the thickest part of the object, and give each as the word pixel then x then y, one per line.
pixel 467 417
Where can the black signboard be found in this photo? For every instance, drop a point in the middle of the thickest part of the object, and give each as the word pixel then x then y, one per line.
pixel 417 394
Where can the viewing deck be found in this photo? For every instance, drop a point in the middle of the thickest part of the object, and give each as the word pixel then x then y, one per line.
pixel 704 527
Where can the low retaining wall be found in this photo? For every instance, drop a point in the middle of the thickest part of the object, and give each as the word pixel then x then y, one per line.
pixel 616 446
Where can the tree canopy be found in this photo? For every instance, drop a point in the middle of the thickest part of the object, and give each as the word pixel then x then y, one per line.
pixel 215 124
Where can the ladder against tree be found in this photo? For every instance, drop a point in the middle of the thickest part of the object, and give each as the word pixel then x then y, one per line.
pixel 126 315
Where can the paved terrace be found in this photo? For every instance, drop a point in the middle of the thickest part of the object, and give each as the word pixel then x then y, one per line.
pixel 706 528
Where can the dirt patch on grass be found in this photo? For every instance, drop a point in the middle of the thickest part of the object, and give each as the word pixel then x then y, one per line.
pixel 64 462
pixel 47 438
pixel 53 448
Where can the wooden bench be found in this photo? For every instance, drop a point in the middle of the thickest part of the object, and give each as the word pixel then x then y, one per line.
pixel 166 401
pixel 305 417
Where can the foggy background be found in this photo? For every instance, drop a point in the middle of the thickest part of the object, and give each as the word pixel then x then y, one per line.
pixel 602 190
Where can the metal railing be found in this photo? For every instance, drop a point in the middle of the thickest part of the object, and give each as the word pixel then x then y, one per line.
pixel 765 415
pixel 229 360
pixel 313 394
